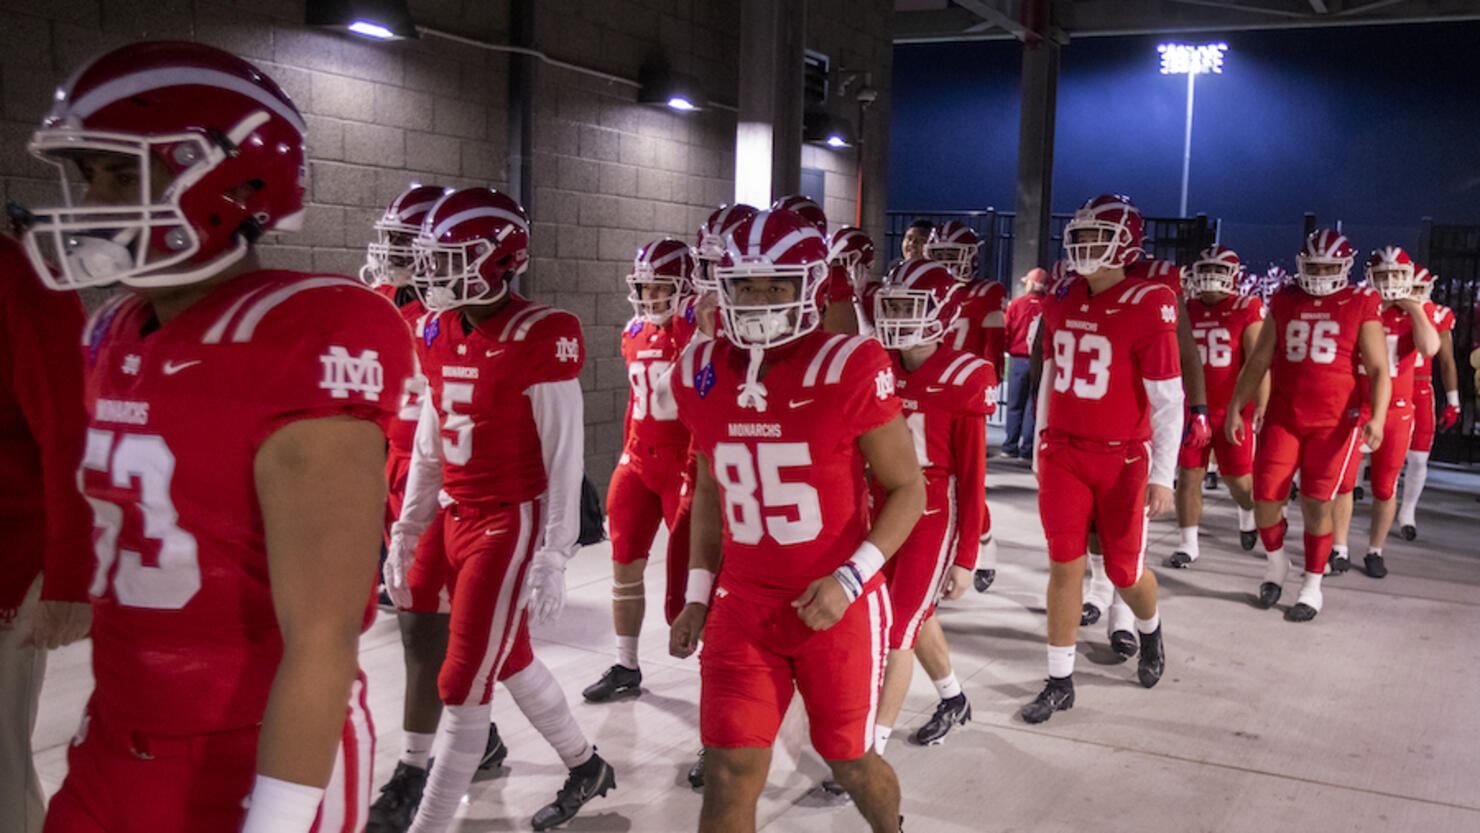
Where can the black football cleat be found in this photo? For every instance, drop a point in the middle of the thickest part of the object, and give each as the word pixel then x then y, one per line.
pixel 1409 532
pixel 1153 658
pixel 1375 566
pixel 619 679
pixel 393 810
pixel 1089 615
pixel 1247 538
pixel 1123 643
pixel 1269 593
pixel 495 752
pixel 1339 564
pixel 696 772
pixel 1300 612
pixel 982 579
pixel 1057 696
pixel 948 714
pixel 587 781
pixel 1210 480
pixel 1180 560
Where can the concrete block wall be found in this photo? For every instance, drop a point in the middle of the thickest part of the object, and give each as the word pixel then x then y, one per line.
pixel 608 173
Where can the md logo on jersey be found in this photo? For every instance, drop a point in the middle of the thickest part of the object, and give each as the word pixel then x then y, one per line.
pixel 1169 314
pixel 345 374
pixel 884 384
pixel 567 350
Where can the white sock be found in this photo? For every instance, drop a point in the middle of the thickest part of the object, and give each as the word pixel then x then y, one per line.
pixel 418 749
pixel 986 557
pixel 1377 551
pixel 1310 591
pixel 1413 480
pixel 1189 540
pixel 1246 520
pixel 881 738
pixel 463 735
pixel 948 686
pixel 627 651
pixel 1149 625
pixel 1060 660
pixel 1339 551
pixel 1277 566
pixel 540 698
pixel 1120 616
pixel 1100 588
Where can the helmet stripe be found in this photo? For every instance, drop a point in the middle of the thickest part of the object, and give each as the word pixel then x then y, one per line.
pixel 474 213
pixel 177 76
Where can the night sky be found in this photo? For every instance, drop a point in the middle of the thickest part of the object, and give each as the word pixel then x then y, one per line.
pixel 1378 127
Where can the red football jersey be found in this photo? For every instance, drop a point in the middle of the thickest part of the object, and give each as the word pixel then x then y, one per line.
pixel 1313 371
pixel 790 477
pixel 1022 317
pixel 946 401
pixel 1103 349
pixel 686 321
pixel 1402 356
pixel 1443 320
pixel 1218 330
pixel 402 430
pixel 980 325
pixel 1162 272
pixel 477 380
pixel 185 640
pixel 651 353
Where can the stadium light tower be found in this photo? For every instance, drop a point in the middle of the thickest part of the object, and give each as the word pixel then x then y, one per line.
pixel 1191 60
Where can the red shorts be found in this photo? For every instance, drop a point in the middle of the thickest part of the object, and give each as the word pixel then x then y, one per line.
pixel 648 487
pixel 122 782
pixel 756 652
pixel 489 550
pixel 1423 415
pixel 1387 460
pixel 397 469
pixel 1084 482
pixel 1323 456
pixel 916 571
pixel 428 577
pixel 1233 460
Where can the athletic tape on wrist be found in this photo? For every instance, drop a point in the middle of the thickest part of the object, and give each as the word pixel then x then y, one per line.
pixel 1452 398
pixel 278 806
pixel 700 586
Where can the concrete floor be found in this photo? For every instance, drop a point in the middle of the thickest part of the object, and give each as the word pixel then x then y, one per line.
pixel 1364 720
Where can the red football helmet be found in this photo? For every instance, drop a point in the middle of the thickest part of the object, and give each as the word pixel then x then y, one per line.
pixel 710 246
pixel 1329 251
pixel 469 245
pixel 954 244
pixel 216 150
pixel 388 259
pixel 915 304
pixel 852 249
pixel 804 207
pixel 766 251
pixel 1110 226
pixel 665 262
pixel 1423 282
pixel 1273 281
pixel 1390 272
pixel 1217 269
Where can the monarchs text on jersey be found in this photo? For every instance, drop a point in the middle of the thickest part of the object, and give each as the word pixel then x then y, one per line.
pixel 185 640
pixel 790 477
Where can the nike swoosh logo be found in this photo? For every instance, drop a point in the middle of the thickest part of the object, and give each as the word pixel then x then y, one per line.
pixel 170 368
pixel 934 390
pixel 492 532
pixel 797 403
pixel 931 512
pixel 491 353
pixel 1112 311
pixel 1132 459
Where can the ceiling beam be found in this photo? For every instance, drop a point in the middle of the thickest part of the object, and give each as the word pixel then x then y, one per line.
pixel 994 17
pixel 1318 6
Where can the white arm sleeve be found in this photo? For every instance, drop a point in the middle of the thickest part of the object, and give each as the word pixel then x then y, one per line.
pixel 424 480
pixel 1165 399
pixel 558 418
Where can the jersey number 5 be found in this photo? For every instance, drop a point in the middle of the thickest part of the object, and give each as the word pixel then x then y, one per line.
pixel 1095 349
pixel 174 578
pixel 789 512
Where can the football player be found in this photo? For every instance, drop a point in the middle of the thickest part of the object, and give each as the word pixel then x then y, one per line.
pixel 1225 326
pixel 1423 402
pixel 698 315
pixel 1317 331
pixel 1110 424
pixel 838 314
pixel 850 259
pixel 946 395
pixel 234 456
pixel 652 482
pixel 1022 324
pixel 1410 335
pixel 784 418
pixel 502 393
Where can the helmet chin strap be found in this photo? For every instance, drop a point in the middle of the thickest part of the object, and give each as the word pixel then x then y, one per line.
pixel 752 392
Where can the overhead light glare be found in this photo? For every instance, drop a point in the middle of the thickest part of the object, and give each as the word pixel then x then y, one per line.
pixel 678 102
pixel 1192 59
pixel 371 30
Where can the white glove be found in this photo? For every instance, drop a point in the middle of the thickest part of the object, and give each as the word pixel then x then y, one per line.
pixel 399 556
pixel 546 587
